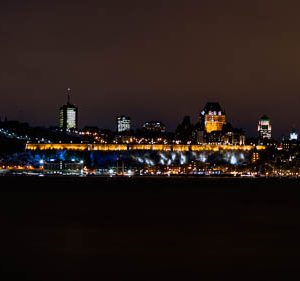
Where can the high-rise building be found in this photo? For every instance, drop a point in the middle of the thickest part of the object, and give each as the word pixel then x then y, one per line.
pixel 213 117
pixel 123 124
pixel 68 115
pixel 264 128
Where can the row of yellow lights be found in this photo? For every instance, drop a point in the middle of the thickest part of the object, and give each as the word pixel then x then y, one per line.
pixel 124 147
pixel 19 167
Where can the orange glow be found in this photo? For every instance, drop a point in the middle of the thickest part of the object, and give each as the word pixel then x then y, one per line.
pixel 214 123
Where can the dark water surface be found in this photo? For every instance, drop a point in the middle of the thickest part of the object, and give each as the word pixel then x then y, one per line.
pixel 149 229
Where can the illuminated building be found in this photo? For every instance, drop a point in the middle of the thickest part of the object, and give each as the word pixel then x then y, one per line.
pixel 264 128
pixel 286 145
pixel 123 124
pixel 291 144
pixel 234 138
pixel 232 135
pixel 64 167
pixel 215 137
pixel 255 157
pixel 213 117
pixel 154 126
pixel 68 115
pixel 213 128
pixel 293 135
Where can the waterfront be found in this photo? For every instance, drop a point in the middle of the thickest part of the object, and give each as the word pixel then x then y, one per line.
pixel 149 228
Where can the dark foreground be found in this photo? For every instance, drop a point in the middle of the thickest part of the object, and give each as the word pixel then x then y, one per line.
pixel 149 229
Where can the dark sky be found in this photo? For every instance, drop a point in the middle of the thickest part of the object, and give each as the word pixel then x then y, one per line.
pixel 151 60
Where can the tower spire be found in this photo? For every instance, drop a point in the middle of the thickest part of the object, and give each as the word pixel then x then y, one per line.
pixel 68 94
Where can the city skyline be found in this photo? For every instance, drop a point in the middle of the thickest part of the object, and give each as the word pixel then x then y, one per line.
pixel 149 139
pixel 139 125
pixel 151 61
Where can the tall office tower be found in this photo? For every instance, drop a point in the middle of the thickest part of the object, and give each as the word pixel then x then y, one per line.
pixel 123 124
pixel 212 117
pixel 68 115
pixel 264 128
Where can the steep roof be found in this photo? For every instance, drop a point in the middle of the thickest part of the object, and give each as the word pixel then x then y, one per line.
pixel 212 106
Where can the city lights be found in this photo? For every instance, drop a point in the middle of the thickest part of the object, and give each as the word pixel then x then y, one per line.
pixel 211 147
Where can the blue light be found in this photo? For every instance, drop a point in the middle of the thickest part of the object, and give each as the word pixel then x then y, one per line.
pixel 233 160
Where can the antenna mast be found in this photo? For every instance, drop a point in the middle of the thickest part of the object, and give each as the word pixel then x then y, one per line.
pixel 68 93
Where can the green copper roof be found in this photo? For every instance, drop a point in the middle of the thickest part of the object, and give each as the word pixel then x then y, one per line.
pixel 265 118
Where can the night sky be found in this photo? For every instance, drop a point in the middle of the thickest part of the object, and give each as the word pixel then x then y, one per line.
pixel 151 60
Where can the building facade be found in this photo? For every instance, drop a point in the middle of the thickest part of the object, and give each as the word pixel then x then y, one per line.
pixel 264 128
pixel 213 117
pixel 154 126
pixel 293 135
pixel 123 124
pixel 68 115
